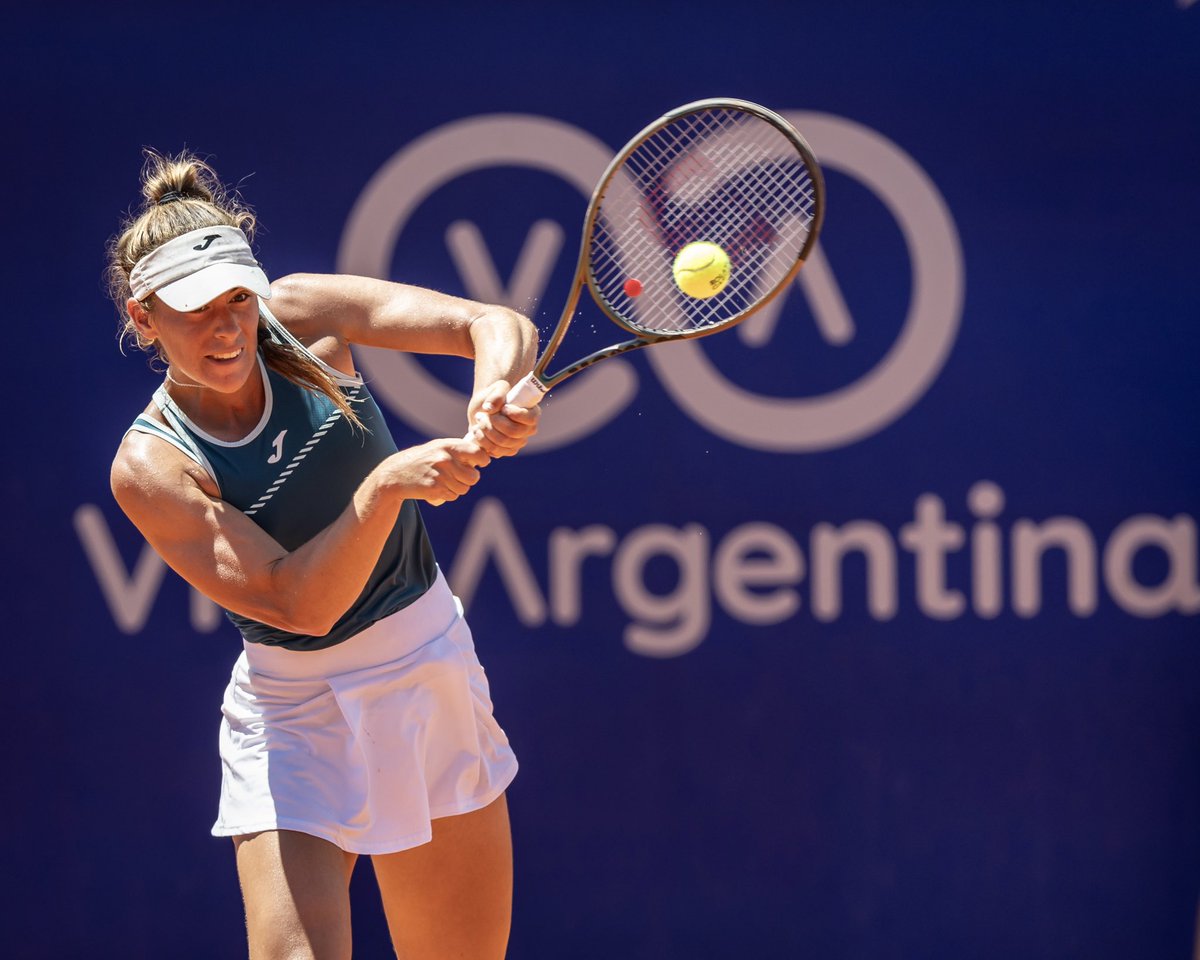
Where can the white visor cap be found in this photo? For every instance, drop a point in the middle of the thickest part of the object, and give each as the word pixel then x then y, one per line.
pixel 189 271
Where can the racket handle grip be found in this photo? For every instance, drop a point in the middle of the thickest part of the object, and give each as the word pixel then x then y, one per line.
pixel 527 392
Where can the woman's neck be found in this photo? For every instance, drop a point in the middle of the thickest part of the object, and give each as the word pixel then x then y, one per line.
pixel 226 416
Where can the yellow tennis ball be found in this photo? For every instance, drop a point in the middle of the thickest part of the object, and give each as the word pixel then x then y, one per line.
pixel 701 269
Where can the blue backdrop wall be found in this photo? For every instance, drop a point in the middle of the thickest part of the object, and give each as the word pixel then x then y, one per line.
pixel 867 630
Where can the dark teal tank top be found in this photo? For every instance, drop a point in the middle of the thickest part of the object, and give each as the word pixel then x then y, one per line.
pixel 294 474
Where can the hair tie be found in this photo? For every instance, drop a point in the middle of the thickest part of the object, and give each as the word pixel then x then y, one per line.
pixel 169 197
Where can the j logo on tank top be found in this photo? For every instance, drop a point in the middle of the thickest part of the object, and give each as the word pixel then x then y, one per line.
pixel 278 444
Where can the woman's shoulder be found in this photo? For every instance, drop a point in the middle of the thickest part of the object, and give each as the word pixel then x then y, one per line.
pixel 302 301
pixel 312 306
pixel 149 464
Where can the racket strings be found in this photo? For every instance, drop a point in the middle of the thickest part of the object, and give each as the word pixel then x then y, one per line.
pixel 720 175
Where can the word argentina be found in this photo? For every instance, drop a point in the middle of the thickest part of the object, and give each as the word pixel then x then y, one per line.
pixel 755 571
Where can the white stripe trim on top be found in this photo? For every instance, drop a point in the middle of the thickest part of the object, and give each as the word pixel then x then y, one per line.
pixel 304 451
pixel 169 407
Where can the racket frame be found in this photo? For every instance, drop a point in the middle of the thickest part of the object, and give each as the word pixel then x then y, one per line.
pixel 537 384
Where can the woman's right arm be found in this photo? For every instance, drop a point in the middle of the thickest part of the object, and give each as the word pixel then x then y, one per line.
pixel 231 560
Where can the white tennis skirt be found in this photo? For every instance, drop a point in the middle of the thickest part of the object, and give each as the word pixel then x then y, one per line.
pixel 365 742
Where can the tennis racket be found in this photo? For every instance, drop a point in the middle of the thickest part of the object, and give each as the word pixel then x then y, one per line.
pixel 728 172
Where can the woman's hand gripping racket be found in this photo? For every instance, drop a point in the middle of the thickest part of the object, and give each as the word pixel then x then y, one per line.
pixel 729 175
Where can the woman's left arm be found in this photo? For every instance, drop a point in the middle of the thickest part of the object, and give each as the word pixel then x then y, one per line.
pixel 320 308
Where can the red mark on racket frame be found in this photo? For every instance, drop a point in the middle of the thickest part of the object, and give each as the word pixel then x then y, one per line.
pixel 633 287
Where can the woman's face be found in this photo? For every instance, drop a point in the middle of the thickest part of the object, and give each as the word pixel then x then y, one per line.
pixel 213 346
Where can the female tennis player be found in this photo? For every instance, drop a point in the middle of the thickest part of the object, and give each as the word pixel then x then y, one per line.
pixel 357 719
